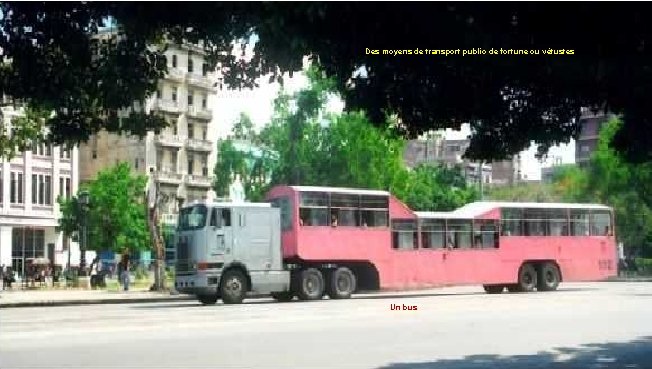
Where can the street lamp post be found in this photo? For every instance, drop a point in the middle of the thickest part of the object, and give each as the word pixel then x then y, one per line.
pixel 84 200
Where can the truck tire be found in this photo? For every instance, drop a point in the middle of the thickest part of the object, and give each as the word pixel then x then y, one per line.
pixel 233 287
pixel 283 296
pixel 493 288
pixel 341 283
pixel 207 299
pixel 527 278
pixel 310 284
pixel 549 277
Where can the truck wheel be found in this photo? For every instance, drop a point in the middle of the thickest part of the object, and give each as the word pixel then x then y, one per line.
pixel 233 287
pixel 207 299
pixel 548 278
pixel 527 278
pixel 310 284
pixel 283 296
pixel 493 288
pixel 341 283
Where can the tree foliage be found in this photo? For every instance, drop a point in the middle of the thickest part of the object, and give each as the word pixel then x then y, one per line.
pixel 304 145
pixel 116 218
pixel 510 100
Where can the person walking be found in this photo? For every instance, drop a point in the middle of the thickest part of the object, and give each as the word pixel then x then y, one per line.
pixel 123 269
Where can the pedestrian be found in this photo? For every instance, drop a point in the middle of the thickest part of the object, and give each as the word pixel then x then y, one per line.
pixel 123 268
pixel 3 276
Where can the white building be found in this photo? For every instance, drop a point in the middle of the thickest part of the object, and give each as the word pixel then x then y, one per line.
pixel 29 186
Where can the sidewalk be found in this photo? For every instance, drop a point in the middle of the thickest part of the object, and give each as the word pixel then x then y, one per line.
pixel 31 298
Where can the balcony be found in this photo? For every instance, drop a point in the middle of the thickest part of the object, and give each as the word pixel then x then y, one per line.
pixel 168 141
pixel 168 177
pixel 168 106
pixel 176 74
pixel 200 113
pixel 198 181
pixel 199 145
pixel 200 81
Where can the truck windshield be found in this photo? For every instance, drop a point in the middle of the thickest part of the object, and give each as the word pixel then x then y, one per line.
pixel 192 218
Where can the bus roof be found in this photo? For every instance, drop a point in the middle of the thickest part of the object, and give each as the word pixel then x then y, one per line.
pixel 475 209
pixel 340 190
pixel 231 204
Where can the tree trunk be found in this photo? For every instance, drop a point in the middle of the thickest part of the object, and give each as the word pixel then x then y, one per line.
pixel 157 246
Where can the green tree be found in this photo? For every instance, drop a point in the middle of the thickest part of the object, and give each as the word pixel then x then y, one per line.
pixel 244 128
pixel 116 219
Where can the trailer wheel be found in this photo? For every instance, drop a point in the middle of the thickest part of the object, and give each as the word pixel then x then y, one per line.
pixel 527 278
pixel 493 288
pixel 283 296
pixel 310 284
pixel 233 287
pixel 341 283
pixel 548 278
pixel 207 299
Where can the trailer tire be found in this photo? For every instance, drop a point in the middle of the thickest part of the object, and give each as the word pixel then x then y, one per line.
pixel 310 284
pixel 341 283
pixel 233 287
pixel 283 296
pixel 548 278
pixel 527 278
pixel 207 299
pixel 493 289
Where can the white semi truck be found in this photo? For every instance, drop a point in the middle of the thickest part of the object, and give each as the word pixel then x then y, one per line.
pixel 227 250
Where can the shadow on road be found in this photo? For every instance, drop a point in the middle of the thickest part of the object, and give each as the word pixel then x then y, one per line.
pixel 627 355
pixel 370 296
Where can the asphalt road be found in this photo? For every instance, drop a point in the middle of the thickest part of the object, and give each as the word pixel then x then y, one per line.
pixel 593 325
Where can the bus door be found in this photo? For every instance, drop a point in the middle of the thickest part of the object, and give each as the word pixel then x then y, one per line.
pixel 220 235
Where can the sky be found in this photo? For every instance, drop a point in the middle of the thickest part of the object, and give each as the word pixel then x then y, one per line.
pixel 258 104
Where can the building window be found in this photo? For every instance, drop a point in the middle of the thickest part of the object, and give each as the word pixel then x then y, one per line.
pixel 204 166
pixel 158 94
pixel 204 101
pixel 189 99
pixel 94 154
pixel 190 65
pixel 174 94
pixel 48 150
pixel 16 190
pixel 42 189
pixel 136 163
pixel 191 130
pixel 585 148
pixel 174 61
pixel 204 133
pixel 174 161
pixel 190 165
pixel 64 153
pixel 204 69
pixel 68 188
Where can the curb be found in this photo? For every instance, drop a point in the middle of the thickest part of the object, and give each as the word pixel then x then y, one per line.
pixel 94 302
pixel 629 280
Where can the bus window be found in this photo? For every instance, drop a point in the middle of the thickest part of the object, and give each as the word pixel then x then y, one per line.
pixel 285 207
pixel 345 209
pixel 226 217
pixel 485 234
pixel 314 209
pixel 536 222
pixel 601 223
pixel 460 234
pixel 374 211
pixel 512 222
pixel 214 222
pixel 433 232
pixel 558 219
pixel 579 219
pixel 404 235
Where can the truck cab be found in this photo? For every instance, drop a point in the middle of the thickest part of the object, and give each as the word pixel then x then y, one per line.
pixel 226 250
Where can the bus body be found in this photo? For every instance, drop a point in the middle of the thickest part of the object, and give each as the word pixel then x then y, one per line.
pixel 334 241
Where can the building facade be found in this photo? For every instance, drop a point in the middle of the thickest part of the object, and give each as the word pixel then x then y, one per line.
pixel 587 142
pixel 30 184
pixel 183 155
